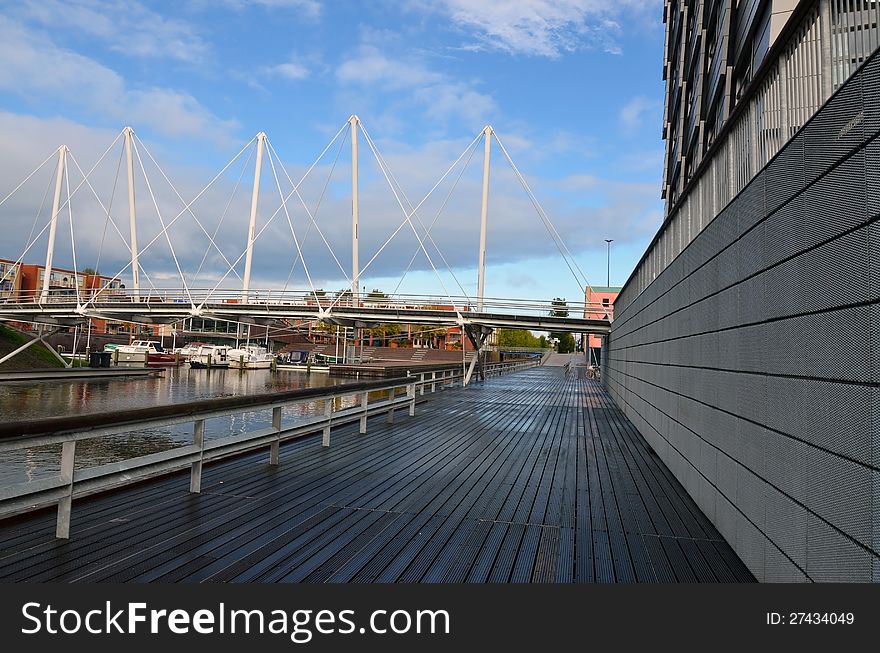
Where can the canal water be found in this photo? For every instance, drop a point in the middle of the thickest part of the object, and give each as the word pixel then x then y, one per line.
pixel 28 400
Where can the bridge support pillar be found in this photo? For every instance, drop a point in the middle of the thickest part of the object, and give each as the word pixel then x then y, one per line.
pixel 252 223
pixel 40 338
pixel 478 340
pixel 53 222
pixel 484 214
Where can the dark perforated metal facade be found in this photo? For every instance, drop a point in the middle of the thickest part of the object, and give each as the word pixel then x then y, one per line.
pixel 751 363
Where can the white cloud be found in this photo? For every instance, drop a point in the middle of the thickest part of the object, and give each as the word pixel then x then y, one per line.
pixel 37 69
pixel 291 70
pixel 127 27
pixel 309 8
pixel 544 28
pixel 633 114
pixel 438 95
pixel 369 65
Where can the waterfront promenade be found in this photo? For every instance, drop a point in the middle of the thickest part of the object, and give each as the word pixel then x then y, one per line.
pixel 531 477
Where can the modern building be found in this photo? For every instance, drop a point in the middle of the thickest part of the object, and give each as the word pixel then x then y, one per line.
pixel 598 302
pixel 744 345
pixel 24 281
pixel 10 279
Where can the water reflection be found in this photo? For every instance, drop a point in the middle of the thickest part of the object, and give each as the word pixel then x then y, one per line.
pixel 19 401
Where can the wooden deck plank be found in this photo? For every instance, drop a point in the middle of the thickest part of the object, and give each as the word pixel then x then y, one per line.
pixel 533 477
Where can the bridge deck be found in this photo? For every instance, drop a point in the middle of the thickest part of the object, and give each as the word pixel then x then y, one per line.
pixel 529 477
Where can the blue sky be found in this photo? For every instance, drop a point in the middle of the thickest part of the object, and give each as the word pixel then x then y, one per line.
pixel 571 87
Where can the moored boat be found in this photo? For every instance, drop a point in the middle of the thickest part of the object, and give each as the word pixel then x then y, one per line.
pixel 210 356
pixel 145 353
pixel 250 357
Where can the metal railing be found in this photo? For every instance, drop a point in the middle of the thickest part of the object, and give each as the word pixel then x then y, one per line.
pixel 72 483
pixel 276 297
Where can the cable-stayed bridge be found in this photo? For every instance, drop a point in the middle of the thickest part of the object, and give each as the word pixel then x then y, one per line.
pixel 134 294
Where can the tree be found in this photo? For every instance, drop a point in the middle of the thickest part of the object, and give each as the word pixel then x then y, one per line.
pixel 89 271
pixel 560 307
pixel 566 343
pixel 566 340
pixel 542 342
pixel 517 338
pixel 384 332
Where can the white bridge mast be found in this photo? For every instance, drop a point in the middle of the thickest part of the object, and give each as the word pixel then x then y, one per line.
pixel 132 217
pixel 53 223
pixel 484 214
pixel 246 282
pixel 354 121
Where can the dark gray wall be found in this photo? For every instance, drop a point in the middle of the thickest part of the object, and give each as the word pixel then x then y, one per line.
pixel 751 363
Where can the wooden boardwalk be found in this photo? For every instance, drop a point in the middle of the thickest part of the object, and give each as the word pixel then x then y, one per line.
pixel 532 477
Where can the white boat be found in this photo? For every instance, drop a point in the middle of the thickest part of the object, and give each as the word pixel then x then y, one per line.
pixel 250 357
pixel 208 356
pixel 145 353
pixel 188 350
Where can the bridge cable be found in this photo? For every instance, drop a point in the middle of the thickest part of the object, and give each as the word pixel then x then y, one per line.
pixel 308 212
pixel 223 216
pixel 437 216
pixel 162 221
pixel 60 208
pixel 115 227
pixel 290 222
pixel 317 206
pixel 109 208
pixel 560 244
pixel 421 224
pixel 27 242
pixel 402 208
pixel 187 208
pixel 272 217
pixel 202 192
pixel 26 179
pixel 424 199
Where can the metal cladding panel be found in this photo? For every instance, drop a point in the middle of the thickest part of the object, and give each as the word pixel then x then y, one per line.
pixel 787 527
pixel 835 203
pixel 872 176
pixel 782 230
pixel 785 174
pixel 835 274
pixel 832 557
pixel 757 354
pixel 836 130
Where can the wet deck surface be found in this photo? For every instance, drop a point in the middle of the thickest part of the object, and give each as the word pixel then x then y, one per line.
pixel 532 477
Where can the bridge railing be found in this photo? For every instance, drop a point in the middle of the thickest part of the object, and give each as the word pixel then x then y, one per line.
pixel 325 301
pixel 369 398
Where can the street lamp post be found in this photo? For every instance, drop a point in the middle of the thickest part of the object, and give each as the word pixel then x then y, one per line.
pixel 609 241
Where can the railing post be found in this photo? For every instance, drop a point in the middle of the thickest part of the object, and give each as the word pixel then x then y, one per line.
pixel 62 526
pixel 276 424
pixel 411 393
pixel 422 383
pixel 391 408
pixel 328 412
pixel 433 381
pixel 195 475
pixel 365 398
